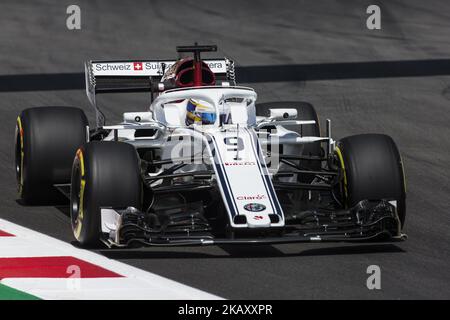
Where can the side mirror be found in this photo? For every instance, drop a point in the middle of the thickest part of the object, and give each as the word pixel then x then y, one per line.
pixel 239 113
pixel 133 117
pixel 283 114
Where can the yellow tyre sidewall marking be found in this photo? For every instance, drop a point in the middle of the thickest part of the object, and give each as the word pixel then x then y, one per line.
pixel 341 160
pixel 20 132
pixel 79 221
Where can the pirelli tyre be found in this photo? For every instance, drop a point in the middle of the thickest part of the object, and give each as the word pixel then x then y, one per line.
pixel 305 111
pixel 373 170
pixel 104 174
pixel 46 140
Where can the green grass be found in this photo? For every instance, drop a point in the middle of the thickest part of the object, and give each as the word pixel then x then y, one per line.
pixel 7 293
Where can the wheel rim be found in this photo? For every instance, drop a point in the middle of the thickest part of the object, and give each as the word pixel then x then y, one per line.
pixel 75 195
pixel 340 162
pixel 18 159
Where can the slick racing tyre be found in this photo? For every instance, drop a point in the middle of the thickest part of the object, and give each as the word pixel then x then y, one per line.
pixel 46 139
pixel 305 111
pixel 373 170
pixel 104 174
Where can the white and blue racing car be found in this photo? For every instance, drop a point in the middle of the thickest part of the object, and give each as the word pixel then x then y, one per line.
pixel 206 163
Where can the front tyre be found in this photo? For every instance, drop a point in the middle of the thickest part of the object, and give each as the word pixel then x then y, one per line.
pixel 104 174
pixel 373 170
pixel 46 139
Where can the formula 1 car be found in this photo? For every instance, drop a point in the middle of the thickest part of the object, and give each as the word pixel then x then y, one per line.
pixel 206 164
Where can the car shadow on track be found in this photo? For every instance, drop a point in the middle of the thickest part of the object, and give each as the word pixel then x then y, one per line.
pixel 58 201
pixel 241 251
pixel 254 74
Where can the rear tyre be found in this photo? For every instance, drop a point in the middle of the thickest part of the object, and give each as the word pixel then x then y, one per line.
pixel 104 174
pixel 373 170
pixel 46 139
pixel 305 111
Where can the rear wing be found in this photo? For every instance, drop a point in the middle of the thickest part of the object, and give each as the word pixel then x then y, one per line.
pixel 138 76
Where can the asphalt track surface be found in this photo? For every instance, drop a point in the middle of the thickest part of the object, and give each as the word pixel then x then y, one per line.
pixel 394 81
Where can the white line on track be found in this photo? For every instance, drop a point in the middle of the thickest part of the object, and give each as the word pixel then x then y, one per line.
pixel 136 284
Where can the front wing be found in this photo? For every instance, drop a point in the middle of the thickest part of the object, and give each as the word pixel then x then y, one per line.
pixel 368 220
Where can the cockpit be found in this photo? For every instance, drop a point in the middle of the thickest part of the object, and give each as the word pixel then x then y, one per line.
pixel 205 106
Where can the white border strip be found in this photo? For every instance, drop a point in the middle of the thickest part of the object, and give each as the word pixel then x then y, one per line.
pixel 137 284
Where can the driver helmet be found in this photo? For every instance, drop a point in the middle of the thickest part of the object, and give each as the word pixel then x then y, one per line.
pixel 200 112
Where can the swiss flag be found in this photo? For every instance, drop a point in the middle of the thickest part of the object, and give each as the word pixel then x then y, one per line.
pixel 137 66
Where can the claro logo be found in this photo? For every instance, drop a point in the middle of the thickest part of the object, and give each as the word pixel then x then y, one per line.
pixel 254 197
